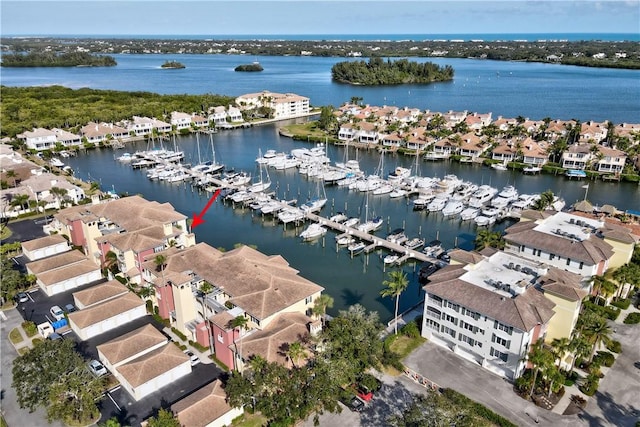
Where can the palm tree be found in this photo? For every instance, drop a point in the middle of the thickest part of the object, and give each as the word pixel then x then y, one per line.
pixel 395 286
pixel 239 322
pixel 320 306
pixel 540 358
pixel 295 352
pixel 486 238
pixel 59 194
pixel 604 288
pixel 20 200
pixel 545 200
pixel 597 333
pixel 561 346
pixel 12 174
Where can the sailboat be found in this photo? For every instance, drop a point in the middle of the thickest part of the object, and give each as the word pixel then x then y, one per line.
pixel 369 226
pixel 315 204
pixel 263 183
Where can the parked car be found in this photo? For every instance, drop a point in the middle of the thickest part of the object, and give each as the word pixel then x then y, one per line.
pixel 192 357
pixel 97 368
pixel 45 329
pixel 70 308
pixel 57 312
pixel 22 297
pixel 354 403
pixel 54 336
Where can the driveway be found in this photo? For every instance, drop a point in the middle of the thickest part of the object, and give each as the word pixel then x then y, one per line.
pixel 27 229
pixel 451 371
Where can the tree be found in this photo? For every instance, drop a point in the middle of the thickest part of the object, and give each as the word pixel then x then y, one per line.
pixel 320 306
pixel 597 332
pixel 59 194
pixel 164 418
pixel 604 288
pixel 295 352
pixel 545 201
pixel 20 200
pixel 395 286
pixel 540 359
pixel 486 238
pixel 111 262
pixel 53 375
pixel 240 323
pixel 561 347
pixel 160 261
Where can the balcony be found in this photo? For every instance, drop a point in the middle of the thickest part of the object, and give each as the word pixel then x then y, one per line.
pixel 434 315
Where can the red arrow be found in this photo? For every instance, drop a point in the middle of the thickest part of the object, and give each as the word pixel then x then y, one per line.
pixel 197 219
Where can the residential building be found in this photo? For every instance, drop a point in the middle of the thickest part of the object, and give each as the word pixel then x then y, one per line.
pixel 63 272
pixel 263 289
pixel 610 160
pixel 139 126
pixel 472 146
pixel 39 139
pixel 577 156
pixel 593 132
pixel 490 311
pixel 67 139
pixel 283 105
pixel 534 153
pixel 131 227
pixel 100 132
pixel 160 126
pixel 206 407
pixel 40 187
pixel 569 242
pixel 44 247
pixel 180 120
pixel 199 121
pixel 506 151
pixel 234 114
pixel 219 115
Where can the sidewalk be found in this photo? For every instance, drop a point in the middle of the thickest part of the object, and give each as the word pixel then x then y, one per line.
pixel 203 355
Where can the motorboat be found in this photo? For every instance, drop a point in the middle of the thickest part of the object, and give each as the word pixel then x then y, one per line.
pixel 352 222
pixel 268 155
pixel 344 240
pixel 525 201
pixel 290 214
pixel 241 196
pixel 286 162
pixel 453 207
pixel 333 176
pixel 339 217
pixel 397 236
pixel 56 162
pixel 484 221
pixel 532 169
pixel 464 191
pixel 356 247
pixel 575 173
pixel 383 189
pixel 499 166
pixel 399 174
pixel 391 259
pixel 509 192
pixel 398 192
pixel 482 196
pixel 437 204
pixel 423 201
pixel 125 158
pixel 313 205
pixel 371 225
pixel 433 248
pixel 271 207
pixel 469 213
pixel 369 184
pixel 313 231
pixel 414 243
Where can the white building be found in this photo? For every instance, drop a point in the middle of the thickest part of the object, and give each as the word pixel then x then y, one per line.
pixel 45 246
pixel 180 120
pixel 39 139
pixel 488 311
pixel 284 105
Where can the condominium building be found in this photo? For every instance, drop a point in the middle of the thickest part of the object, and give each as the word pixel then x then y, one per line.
pixel 283 105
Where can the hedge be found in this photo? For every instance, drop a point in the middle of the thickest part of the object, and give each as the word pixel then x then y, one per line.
pixel 614 346
pixel 180 335
pixel 610 313
pixel 632 319
pixel 477 408
pixel 622 304
pixel 604 358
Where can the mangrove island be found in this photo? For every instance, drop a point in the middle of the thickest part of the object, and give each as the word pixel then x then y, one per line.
pixel 172 65
pixel 51 59
pixel 249 67
pixel 377 72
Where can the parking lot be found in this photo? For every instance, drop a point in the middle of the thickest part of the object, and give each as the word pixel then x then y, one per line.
pixel 118 403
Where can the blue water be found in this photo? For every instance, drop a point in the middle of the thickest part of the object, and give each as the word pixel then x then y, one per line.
pixel 349 281
pixel 506 89
pixel 392 37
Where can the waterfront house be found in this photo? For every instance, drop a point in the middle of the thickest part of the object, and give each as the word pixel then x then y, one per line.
pixel 39 139
pixel 199 121
pixel 568 242
pixel 444 148
pixel 534 153
pixel 472 146
pixel 39 187
pixel 558 129
pixel 593 132
pixel 234 114
pixel 218 115
pixel 138 220
pixel 452 118
pixel 139 126
pixel 392 140
pixel 265 290
pixel 347 132
pixel 67 139
pixel 160 126
pixel 506 151
pixel 489 318
pixel 477 121
pixel 367 133
pixel 180 120
pixel 505 124
pixel 610 160
pixel 100 132
pixel 577 156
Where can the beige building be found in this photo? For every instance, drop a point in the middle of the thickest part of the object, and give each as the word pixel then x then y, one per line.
pixel 206 407
pixel 283 105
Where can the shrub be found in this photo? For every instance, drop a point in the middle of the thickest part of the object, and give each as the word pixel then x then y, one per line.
pixel 589 388
pixel 632 319
pixel 614 346
pixel 604 358
pixel 411 330
pixel 149 305
pixel 610 313
pixel 199 346
pixel 30 328
pixel 180 335
pixel 621 304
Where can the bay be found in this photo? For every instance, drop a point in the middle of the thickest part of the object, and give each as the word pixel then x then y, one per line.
pixel 349 281
pixel 507 89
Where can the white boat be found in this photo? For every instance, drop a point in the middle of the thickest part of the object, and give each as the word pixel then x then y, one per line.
pixel 371 225
pixel 287 162
pixel 464 191
pixel 414 243
pixel 482 196
pixel 290 214
pixel 125 158
pixel 369 184
pixel 397 236
pixel 263 183
pixel 56 162
pixel 397 192
pixel 525 201
pixel 469 213
pixel 271 207
pixel 433 248
pixel 509 192
pixel 313 231
pixel 352 222
pixel 532 169
pixel 422 201
pixel 453 207
pixel 484 221
pixel 383 189
pixel 241 196
pixel 345 240
pixel 399 174
pixel 391 259
pixel 333 176
pixel 356 247
pixel 500 202
pixel 236 179
pixel 500 166
pixel 313 205
pixel 437 204
pixel 179 176
pixel 268 155
pixel 339 217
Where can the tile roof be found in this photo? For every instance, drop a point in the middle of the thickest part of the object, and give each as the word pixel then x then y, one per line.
pixel 100 293
pixel 564 283
pixel 273 341
pixel 106 310
pixel 129 345
pixel 67 272
pixel 44 242
pixel 137 240
pixel 56 261
pixel 202 407
pixel 523 312
pixel 467 257
pixel 153 364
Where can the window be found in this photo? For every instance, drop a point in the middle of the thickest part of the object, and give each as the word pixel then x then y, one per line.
pixel 498 355
pixel 466 339
pixel 521 248
pixel 503 327
pixel 451 319
pixel 432 324
pixel 470 313
pixel 308 300
pixel 452 306
pixel 568 261
pixel 502 341
pixel 581 265
pixel 552 257
pixel 538 252
pixel 467 326
pixel 448 331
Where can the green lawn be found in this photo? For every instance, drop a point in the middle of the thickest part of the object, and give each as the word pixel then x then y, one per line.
pixel 304 129
pixel 404 345
pixel 249 420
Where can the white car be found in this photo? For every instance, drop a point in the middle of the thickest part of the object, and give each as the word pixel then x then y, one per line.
pixel 192 357
pixel 57 313
pixel 97 368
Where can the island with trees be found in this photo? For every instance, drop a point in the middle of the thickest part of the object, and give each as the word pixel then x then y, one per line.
pixel 378 72
pixel 51 59
pixel 249 67
pixel 172 65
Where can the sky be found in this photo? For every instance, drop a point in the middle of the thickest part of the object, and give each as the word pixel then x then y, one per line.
pixel 266 17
